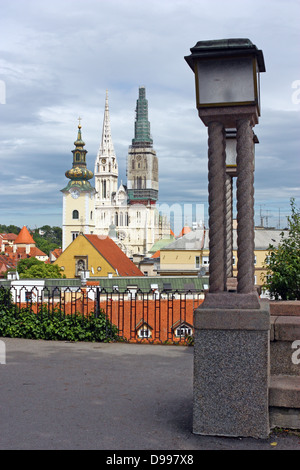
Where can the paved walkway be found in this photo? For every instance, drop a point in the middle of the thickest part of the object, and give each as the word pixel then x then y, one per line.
pixel 59 395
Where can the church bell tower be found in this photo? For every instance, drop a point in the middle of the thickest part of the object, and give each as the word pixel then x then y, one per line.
pixel 142 162
pixel 78 196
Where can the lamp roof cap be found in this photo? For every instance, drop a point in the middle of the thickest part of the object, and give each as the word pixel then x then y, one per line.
pixel 225 47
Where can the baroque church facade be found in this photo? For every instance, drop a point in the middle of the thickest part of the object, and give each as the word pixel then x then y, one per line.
pixel 126 213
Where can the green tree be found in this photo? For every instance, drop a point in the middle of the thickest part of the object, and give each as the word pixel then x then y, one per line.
pixel 48 238
pixel 9 229
pixel 32 268
pixel 283 263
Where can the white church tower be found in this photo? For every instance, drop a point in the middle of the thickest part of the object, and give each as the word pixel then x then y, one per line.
pixel 106 166
pixel 128 214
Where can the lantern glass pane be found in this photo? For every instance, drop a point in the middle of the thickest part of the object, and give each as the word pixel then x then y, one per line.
pixel 226 81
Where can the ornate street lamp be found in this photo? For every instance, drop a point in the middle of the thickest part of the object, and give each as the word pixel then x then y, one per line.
pixel 228 97
pixel 231 329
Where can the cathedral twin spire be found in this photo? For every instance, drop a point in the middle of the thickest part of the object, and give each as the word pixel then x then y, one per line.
pixel 106 147
pixel 106 166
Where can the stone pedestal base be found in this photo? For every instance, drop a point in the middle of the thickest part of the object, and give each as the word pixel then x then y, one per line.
pixel 231 369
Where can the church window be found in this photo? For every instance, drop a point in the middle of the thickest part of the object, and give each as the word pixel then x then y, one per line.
pixel 121 219
pixel 77 156
pixel 132 164
pixel 126 219
pixel 91 215
pixel 116 219
pixel 104 189
pixel 75 214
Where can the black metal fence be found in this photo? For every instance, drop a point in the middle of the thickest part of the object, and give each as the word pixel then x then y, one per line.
pixel 140 316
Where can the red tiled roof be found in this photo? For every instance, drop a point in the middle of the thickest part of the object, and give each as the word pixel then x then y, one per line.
pixel 20 252
pixel 56 252
pixel 186 229
pixel 8 236
pixel 24 237
pixel 34 251
pixel 114 255
pixel 156 254
pixel 7 261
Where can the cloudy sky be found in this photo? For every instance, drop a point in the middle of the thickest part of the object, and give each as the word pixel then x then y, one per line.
pixel 57 59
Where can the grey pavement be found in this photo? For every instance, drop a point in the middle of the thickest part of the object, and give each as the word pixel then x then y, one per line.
pixel 114 396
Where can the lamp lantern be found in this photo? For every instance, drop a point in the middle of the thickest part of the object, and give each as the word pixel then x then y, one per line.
pixel 227 75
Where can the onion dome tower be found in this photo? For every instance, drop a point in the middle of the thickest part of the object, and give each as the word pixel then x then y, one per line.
pixel 78 196
pixel 79 175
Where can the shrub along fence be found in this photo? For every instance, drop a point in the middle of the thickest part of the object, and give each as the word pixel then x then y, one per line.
pixel 129 315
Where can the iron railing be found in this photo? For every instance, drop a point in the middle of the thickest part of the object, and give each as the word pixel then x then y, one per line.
pixel 153 317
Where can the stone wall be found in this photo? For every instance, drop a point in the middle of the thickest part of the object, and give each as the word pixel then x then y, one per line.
pixel 284 394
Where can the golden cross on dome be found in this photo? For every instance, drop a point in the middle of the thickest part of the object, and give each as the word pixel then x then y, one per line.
pixel 79 120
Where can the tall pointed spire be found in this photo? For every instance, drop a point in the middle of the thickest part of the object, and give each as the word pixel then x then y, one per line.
pixel 106 146
pixel 106 166
pixel 142 125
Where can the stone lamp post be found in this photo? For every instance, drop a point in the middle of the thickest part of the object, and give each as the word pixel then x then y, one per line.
pixel 231 352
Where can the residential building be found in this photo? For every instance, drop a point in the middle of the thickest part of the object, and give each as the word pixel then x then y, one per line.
pixel 90 255
pixel 17 247
pixel 189 255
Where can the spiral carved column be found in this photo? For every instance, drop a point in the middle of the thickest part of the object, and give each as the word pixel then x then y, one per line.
pixel 245 207
pixel 228 222
pixel 216 190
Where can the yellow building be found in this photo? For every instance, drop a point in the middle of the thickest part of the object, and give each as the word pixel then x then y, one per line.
pixel 184 256
pixel 190 253
pixel 95 256
pixel 264 237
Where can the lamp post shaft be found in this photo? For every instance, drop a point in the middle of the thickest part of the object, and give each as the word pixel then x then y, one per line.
pixel 216 189
pixel 245 206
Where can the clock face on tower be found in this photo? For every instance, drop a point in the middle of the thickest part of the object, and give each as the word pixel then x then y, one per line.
pixel 74 193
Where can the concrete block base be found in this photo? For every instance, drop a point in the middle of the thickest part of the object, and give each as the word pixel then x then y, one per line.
pixel 231 370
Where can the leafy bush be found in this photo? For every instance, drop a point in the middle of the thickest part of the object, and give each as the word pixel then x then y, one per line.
pixel 283 263
pixel 32 268
pixel 55 326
